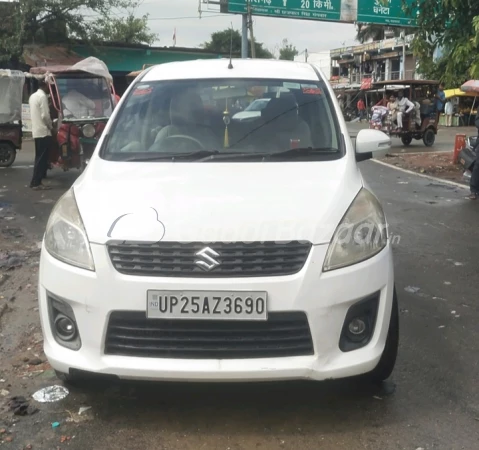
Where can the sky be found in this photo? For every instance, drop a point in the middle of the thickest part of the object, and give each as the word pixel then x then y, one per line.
pixel 165 15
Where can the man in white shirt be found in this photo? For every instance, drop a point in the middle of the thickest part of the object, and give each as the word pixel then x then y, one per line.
pixel 448 110
pixel 42 134
pixel 405 106
pixel 78 105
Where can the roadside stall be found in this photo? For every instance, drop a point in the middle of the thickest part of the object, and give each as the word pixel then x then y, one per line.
pixel 471 87
pixel 465 107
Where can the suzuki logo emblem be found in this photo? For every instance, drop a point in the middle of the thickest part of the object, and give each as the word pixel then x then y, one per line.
pixel 206 259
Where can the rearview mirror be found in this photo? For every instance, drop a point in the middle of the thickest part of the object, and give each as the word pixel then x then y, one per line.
pixel 371 143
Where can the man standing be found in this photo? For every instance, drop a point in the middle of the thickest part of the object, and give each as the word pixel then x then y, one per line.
pixel 440 98
pixel 474 183
pixel 42 134
pixel 448 110
pixel 362 109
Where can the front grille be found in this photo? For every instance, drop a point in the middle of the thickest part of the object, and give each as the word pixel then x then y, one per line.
pixel 173 259
pixel 284 334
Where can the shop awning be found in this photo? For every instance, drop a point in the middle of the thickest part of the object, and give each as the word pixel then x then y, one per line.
pixel 458 93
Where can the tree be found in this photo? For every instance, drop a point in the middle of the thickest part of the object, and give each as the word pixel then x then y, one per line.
pixel 453 26
pixel 128 30
pixel 287 51
pixel 221 43
pixel 32 21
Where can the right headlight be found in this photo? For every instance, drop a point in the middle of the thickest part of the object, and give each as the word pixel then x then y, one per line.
pixel 361 234
pixel 65 236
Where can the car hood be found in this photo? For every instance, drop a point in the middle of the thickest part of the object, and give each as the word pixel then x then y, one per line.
pixel 247 114
pixel 215 201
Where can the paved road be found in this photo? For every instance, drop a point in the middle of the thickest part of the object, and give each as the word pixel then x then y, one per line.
pixel 436 401
pixel 444 139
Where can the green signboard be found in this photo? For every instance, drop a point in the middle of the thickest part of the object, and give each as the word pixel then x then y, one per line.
pixel 384 12
pixel 293 9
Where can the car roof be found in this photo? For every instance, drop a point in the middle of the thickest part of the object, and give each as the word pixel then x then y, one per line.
pixel 242 68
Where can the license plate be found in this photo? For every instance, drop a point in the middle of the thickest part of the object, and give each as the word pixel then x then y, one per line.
pixel 216 305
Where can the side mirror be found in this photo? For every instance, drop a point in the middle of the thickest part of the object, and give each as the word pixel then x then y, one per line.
pixel 371 143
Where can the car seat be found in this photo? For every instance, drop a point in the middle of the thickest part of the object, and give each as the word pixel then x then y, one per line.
pixel 187 118
pixel 282 124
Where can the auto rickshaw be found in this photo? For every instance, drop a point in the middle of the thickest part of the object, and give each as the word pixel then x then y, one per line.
pixel 84 98
pixel 11 91
pixel 421 123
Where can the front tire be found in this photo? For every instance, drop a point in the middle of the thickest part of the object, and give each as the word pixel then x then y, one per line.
pixel 8 153
pixel 429 138
pixel 406 140
pixel 387 362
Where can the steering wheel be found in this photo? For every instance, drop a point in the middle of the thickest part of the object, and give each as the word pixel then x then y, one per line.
pixel 188 138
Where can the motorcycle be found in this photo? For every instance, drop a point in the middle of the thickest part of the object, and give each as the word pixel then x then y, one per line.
pixel 467 156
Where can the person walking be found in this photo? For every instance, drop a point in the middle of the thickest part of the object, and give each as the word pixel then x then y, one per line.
pixel 448 110
pixel 474 183
pixel 362 109
pixel 42 134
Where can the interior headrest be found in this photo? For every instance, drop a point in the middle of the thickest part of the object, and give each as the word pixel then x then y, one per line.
pixel 186 107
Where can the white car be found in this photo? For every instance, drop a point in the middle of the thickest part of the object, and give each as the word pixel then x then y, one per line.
pixel 253 110
pixel 211 250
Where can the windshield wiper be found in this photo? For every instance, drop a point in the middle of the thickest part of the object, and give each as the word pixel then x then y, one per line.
pixel 290 153
pixel 303 151
pixel 156 156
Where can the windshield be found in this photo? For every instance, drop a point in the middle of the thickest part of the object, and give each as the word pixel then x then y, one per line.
pixel 84 97
pixel 257 105
pixel 188 120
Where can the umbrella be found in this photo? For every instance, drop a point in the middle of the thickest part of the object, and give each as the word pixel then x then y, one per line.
pixel 470 86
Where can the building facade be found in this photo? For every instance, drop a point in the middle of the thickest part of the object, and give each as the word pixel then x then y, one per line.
pixel 358 66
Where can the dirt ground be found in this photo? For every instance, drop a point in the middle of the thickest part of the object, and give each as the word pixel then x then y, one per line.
pixel 23 366
pixel 437 164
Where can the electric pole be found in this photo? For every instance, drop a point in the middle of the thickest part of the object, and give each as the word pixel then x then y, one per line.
pixel 250 26
pixel 244 37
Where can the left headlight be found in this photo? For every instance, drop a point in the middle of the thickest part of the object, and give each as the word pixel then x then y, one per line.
pixel 65 236
pixel 361 234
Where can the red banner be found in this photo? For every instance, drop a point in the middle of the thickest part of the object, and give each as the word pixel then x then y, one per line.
pixel 366 83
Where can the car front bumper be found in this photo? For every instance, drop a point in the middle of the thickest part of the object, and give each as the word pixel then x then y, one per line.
pixel 324 297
